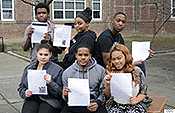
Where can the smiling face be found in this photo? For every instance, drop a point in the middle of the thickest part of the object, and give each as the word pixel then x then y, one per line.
pixel 42 15
pixel 118 60
pixel 80 25
pixel 83 56
pixel 119 22
pixel 43 56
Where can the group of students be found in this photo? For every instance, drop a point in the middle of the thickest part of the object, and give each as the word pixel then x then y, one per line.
pixel 88 57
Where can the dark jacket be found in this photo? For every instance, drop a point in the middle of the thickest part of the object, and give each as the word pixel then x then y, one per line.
pixel 54 88
pixel 82 38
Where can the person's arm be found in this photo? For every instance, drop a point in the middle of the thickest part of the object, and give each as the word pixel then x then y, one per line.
pixel 22 88
pixel 65 86
pixel 106 56
pixel 143 88
pixel 26 44
pixel 55 84
pixel 107 91
pixel 137 99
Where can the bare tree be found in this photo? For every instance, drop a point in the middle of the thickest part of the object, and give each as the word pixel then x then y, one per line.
pixel 37 1
pixel 162 15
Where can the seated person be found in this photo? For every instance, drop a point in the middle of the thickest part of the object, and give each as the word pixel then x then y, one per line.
pixel 120 61
pixel 85 67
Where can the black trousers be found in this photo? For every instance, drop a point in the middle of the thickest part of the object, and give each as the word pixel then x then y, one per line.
pixel 80 109
pixel 38 106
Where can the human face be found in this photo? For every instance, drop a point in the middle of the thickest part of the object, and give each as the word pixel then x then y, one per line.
pixel 43 56
pixel 118 60
pixel 83 56
pixel 41 15
pixel 119 22
pixel 80 25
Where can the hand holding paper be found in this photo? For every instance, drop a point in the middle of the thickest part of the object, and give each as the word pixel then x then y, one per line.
pixel 140 50
pixel 121 87
pixel 39 30
pixel 80 92
pixel 62 36
pixel 36 82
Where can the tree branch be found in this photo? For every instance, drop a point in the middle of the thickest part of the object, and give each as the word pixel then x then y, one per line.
pixel 50 1
pixel 28 3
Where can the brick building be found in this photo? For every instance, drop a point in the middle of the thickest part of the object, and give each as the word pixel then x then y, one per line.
pixel 16 15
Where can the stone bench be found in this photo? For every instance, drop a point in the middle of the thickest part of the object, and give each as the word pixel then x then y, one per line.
pixel 158 104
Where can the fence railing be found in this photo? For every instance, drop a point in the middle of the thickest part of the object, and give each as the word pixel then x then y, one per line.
pixel 2 44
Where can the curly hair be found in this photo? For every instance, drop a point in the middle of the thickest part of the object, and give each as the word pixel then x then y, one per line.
pixel 128 67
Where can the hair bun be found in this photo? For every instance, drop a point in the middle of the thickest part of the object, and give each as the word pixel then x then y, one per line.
pixel 86 15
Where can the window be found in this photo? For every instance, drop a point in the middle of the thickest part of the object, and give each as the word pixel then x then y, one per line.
pixel 67 9
pixel 7 10
pixel 96 9
pixel 173 8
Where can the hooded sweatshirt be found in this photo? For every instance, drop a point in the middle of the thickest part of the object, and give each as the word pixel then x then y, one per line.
pixel 93 72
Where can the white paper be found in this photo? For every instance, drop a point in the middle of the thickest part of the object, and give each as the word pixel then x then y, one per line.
pixel 39 30
pixel 79 94
pixel 121 87
pixel 140 50
pixel 36 82
pixel 62 36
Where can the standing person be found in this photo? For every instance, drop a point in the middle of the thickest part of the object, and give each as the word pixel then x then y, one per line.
pixel 110 36
pixel 120 61
pixel 42 14
pixel 84 36
pixel 85 67
pixel 52 102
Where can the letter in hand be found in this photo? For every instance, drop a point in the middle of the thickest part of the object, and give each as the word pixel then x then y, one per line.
pixel 28 93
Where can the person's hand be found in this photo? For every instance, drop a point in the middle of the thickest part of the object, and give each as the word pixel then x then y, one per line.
pixel 28 93
pixel 136 99
pixel 93 106
pixel 108 77
pixel 46 36
pixel 138 62
pixel 66 90
pixel 29 31
pixel 151 53
pixel 47 77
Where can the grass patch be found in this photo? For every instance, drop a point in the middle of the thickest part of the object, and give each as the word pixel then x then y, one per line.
pixel 159 43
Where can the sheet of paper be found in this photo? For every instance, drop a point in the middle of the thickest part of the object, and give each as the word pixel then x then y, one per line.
pixel 80 92
pixel 36 82
pixel 39 30
pixel 121 87
pixel 140 50
pixel 62 36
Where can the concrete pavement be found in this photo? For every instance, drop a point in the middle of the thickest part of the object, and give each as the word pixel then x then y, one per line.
pixel 161 77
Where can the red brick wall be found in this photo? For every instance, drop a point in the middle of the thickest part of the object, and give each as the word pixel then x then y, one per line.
pixel 144 23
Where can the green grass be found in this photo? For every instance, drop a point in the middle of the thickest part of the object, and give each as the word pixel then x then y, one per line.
pixel 159 43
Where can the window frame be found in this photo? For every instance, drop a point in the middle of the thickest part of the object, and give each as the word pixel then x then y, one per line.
pixel 172 9
pixel 11 9
pixel 64 10
pixel 96 19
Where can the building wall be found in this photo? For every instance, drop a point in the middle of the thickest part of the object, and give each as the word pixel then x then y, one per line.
pixel 140 21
